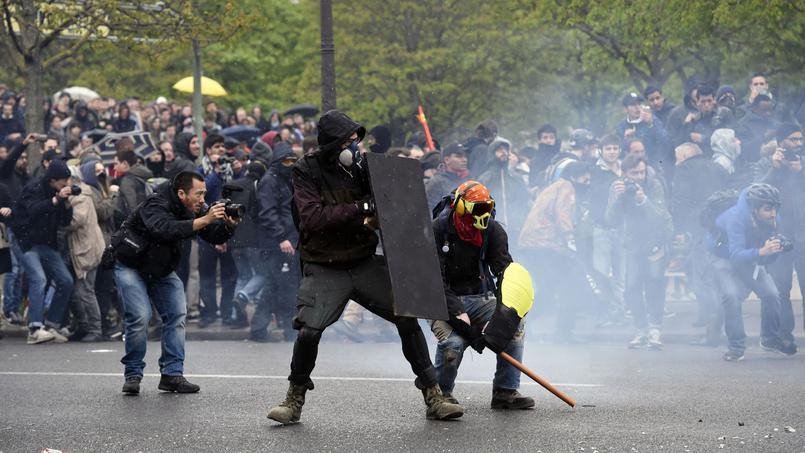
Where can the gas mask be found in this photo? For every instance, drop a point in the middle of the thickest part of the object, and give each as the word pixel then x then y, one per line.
pixel 351 155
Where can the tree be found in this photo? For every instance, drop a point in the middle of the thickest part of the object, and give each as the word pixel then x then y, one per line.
pixel 39 34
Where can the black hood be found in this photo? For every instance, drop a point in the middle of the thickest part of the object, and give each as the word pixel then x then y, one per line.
pixel 334 128
pixel 181 145
pixel 281 151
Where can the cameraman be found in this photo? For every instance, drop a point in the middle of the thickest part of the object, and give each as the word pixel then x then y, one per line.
pixel 784 171
pixel 743 244
pixel 146 269
pixel 43 208
pixel 637 203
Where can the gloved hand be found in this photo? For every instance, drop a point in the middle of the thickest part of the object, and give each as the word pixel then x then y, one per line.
pixel 472 334
pixel 366 207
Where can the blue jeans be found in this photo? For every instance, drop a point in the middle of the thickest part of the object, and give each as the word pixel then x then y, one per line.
pixel 42 263
pixel 782 271
pixel 734 285
pixel 252 271
pixel 450 349
pixel 12 283
pixel 167 294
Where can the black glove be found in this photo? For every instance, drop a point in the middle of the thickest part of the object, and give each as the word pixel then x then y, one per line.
pixel 366 207
pixel 471 334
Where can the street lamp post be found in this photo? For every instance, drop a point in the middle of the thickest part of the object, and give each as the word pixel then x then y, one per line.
pixel 328 100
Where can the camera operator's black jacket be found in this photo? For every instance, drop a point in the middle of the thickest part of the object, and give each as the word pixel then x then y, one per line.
pixel 163 222
pixel 275 198
pixel 36 219
pixel 462 264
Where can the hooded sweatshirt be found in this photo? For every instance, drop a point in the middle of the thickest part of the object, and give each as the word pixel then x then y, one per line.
pixel 725 150
pixel 275 198
pixel 739 238
pixel 183 160
pixel 331 227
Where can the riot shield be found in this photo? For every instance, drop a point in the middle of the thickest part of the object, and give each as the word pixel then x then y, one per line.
pixel 406 229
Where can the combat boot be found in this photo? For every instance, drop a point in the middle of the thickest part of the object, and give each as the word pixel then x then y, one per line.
pixel 289 411
pixel 510 399
pixel 439 406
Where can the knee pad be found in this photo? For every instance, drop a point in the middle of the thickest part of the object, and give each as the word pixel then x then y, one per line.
pixel 309 335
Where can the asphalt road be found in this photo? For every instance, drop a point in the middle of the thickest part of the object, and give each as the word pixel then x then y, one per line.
pixel 684 398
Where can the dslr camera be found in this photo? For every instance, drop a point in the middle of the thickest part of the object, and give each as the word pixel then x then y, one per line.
pixel 630 189
pixel 231 208
pixel 785 243
pixel 790 156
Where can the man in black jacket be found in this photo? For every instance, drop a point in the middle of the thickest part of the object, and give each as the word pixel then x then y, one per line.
pixel 148 249
pixel 42 209
pixel 14 174
pixel 337 246
pixel 279 239
pixel 473 249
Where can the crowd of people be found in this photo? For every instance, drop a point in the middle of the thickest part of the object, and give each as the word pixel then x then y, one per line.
pixel 713 187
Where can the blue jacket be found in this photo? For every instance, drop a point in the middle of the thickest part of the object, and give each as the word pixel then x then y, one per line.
pixel 738 238
pixel 274 200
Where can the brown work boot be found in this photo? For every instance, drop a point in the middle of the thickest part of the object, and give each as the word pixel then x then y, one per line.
pixel 510 399
pixel 440 407
pixel 289 411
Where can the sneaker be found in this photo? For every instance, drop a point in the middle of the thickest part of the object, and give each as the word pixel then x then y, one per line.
pixel 241 301
pixel 654 340
pixel 177 384
pixel 439 407
pixel 733 356
pixel 510 399
pixel 132 385
pixel 40 336
pixel 58 335
pixel 289 411
pixel 773 346
pixel 789 349
pixel 639 341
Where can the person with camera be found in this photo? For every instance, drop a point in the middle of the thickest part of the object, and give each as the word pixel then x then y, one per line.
pixel 743 243
pixel 784 171
pixel 637 204
pixel 337 246
pixel 43 208
pixel 147 250
pixel 217 171
pixel 642 123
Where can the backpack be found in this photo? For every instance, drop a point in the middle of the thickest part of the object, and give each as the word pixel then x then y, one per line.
pixel 715 205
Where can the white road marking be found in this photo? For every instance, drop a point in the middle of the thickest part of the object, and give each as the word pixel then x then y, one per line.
pixel 259 376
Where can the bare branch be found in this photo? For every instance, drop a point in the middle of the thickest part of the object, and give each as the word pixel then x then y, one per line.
pixel 10 28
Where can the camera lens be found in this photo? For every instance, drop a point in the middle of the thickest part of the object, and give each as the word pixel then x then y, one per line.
pixel 75 190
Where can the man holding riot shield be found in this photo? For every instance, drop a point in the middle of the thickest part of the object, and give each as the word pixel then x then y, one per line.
pixel 474 254
pixel 336 220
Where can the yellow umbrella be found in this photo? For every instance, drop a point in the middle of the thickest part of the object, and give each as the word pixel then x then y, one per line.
pixel 209 87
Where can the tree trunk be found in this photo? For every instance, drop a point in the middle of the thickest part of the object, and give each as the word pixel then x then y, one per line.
pixel 34 113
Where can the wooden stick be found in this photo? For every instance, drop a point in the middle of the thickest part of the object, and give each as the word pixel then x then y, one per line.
pixel 548 386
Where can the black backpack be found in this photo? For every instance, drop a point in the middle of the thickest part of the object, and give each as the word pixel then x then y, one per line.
pixel 715 205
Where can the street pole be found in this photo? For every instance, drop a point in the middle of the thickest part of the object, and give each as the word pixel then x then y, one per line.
pixel 197 117
pixel 328 99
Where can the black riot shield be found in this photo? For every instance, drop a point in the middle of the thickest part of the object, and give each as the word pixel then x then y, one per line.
pixel 406 230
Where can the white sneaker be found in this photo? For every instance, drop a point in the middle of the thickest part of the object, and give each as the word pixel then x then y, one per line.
pixel 639 341
pixel 40 336
pixel 654 338
pixel 58 337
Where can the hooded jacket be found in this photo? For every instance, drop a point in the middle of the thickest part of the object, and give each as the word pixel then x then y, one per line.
pixel 738 238
pixel 83 117
pixel 183 160
pixel 725 150
pixel 508 189
pixel 84 236
pixel 275 199
pixel 104 205
pixel 331 227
